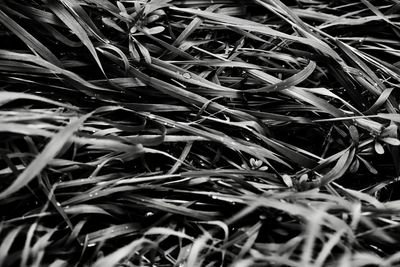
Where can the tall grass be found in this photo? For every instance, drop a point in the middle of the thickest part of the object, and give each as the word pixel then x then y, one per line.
pixel 199 133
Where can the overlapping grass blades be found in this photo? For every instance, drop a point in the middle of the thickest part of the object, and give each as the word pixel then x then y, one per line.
pixel 199 133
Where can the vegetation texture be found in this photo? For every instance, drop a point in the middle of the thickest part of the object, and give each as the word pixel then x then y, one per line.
pixel 199 133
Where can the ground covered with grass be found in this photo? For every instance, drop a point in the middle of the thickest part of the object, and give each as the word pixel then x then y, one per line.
pixel 199 133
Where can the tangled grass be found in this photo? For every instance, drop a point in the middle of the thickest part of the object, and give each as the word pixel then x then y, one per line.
pixel 199 133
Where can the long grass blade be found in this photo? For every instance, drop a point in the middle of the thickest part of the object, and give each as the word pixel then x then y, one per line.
pixel 48 153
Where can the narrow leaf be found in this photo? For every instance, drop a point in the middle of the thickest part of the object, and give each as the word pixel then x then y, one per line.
pixel 75 27
pixel 48 153
pixel 28 39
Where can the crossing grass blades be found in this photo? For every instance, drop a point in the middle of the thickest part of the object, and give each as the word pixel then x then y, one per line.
pixel 199 133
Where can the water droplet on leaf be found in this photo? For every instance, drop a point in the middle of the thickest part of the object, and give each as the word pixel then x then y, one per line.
pixel 187 75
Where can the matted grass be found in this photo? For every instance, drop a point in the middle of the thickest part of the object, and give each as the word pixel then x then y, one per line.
pixel 199 133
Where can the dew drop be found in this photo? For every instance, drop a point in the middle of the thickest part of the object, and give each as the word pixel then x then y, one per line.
pixel 58 204
pixel 149 214
pixel 187 75
pixel 91 245
pixel 91 195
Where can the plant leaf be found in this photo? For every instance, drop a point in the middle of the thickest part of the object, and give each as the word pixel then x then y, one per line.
pixel 48 153
pixel 28 39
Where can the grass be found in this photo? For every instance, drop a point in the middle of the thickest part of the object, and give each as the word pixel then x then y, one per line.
pixel 199 133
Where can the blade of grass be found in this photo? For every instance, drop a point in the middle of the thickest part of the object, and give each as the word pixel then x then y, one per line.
pixel 49 152
pixel 61 12
pixel 340 168
pixel 289 82
pixel 114 258
pixel 28 39
pixel 7 242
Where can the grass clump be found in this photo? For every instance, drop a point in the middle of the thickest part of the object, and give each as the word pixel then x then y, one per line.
pixel 199 133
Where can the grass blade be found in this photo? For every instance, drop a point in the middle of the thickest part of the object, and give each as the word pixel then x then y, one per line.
pixel 48 153
pixel 28 39
pixel 64 15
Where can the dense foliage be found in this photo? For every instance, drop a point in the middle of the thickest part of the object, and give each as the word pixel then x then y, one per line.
pixel 199 133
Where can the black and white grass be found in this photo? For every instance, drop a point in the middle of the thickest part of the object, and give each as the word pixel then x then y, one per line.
pixel 199 133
